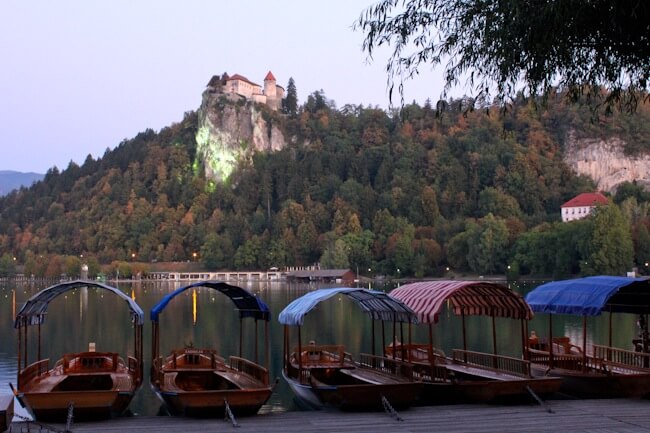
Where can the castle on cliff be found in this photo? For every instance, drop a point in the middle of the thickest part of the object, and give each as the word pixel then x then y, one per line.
pixel 238 86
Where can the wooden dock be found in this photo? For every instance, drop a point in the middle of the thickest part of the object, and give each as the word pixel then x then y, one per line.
pixel 570 416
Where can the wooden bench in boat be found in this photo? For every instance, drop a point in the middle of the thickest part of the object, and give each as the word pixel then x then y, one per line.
pixel 242 381
pixel 371 376
pixel 482 372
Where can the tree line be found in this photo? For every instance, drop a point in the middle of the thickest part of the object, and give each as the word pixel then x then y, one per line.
pixel 421 191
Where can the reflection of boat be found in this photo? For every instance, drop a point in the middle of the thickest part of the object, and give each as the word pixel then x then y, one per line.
pixel 323 375
pixel 93 384
pixel 468 376
pixel 199 382
pixel 601 371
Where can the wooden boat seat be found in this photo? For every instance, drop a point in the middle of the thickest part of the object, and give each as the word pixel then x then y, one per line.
pixel 371 376
pixel 122 382
pixel 482 372
pixel 44 383
pixel 563 345
pixel 170 383
pixel 242 381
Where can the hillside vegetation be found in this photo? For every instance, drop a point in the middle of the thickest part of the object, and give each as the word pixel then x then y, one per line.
pixel 420 191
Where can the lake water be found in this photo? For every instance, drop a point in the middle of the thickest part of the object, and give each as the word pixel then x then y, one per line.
pixel 205 318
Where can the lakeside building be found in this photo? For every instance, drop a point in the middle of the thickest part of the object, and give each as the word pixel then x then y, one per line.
pixel 581 205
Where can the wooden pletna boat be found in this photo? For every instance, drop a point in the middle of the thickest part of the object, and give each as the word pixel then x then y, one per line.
pixel 598 370
pixel 86 385
pixel 468 376
pixel 198 381
pixel 327 375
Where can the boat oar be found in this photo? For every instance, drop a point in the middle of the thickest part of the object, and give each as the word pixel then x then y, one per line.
pixel 20 400
pixel 539 400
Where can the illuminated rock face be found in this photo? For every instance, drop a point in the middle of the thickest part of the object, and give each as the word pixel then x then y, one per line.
pixel 229 132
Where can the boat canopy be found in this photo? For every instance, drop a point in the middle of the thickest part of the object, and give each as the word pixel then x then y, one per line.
pixel 427 299
pixel 35 309
pixel 248 304
pixel 377 304
pixel 589 296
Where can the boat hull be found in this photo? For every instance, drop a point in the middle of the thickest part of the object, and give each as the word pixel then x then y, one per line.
pixel 213 403
pixel 356 397
pixel 488 391
pixel 87 405
pixel 595 385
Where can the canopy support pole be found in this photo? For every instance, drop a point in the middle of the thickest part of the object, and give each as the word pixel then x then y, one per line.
pixel 39 340
pixel 610 326
pixel 494 340
pixel 584 343
pixel 383 337
pixel 266 344
pixel 462 313
pixel 257 360
pixel 394 336
pixel 372 323
pixel 550 341
pixel 401 337
pixel 299 355
pixel 241 332
pixel 524 337
pixel 20 348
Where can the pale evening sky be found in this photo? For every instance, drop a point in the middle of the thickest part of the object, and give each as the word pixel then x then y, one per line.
pixel 79 76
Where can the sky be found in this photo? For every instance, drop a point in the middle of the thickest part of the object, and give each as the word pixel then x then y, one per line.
pixel 80 76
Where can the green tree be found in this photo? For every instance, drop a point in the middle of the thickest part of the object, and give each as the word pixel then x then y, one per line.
pixel 642 248
pixel 290 102
pixel 335 256
pixel 610 250
pixel 7 266
pixel 497 44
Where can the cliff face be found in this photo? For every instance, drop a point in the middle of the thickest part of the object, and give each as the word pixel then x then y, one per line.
pixel 605 163
pixel 230 131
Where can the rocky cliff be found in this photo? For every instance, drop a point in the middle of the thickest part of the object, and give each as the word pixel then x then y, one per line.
pixel 605 162
pixel 230 130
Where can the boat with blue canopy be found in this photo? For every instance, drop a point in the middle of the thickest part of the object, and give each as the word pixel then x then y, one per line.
pixel 597 370
pixel 327 375
pixel 87 385
pixel 199 381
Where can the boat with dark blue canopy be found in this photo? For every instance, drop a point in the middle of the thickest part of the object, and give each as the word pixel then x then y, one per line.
pixel 599 370
pixel 326 375
pixel 88 385
pixel 198 381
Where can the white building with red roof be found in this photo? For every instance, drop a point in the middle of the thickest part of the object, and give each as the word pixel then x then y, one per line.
pixel 271 94
pixel 581 205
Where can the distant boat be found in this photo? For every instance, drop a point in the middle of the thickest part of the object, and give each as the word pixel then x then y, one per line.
pixel 599 371
pixel 326 375
pixel 199 381
pixel 469 376
pixel 87 385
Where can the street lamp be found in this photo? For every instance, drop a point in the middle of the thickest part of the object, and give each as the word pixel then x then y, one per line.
pixel 194 256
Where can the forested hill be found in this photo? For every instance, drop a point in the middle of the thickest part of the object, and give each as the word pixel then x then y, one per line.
pixel 422 191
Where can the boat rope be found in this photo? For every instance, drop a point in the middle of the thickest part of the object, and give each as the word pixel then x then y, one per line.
pixel 69 420
pixel 227 414
pixel 539 400
pixel 389 409
pixel 38 426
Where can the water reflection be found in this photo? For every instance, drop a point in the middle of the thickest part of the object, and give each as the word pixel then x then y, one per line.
pixel 205 319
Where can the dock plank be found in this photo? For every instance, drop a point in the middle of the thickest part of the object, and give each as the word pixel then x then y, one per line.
pixel 573 416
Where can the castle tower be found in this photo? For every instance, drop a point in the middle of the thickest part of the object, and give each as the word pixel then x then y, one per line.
pixel 270 86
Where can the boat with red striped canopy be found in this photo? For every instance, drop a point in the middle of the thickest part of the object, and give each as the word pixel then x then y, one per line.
pixel 469 376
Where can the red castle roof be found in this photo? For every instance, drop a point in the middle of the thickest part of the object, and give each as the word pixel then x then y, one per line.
pixel 269 76
pixel 586 199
